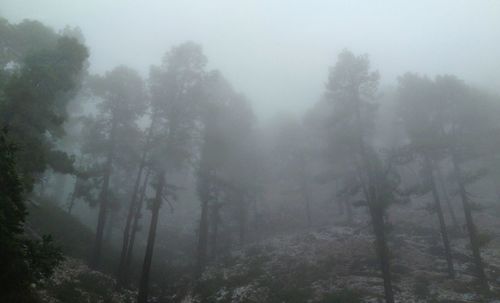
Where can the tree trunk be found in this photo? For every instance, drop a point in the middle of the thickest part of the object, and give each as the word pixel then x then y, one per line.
pixel 257 219
pixel 135 229
pixel 148 257
pixel 215 230
pixel 242 214
pixel 306 194
pixel 471 228
pixel 128 222
pixel 376 208
pixel 71 203
pixel 103 212
pixel 103 205
pixel 377 218
pixel 201 253
pixel 446 197
pixel 134 209
pixel 439 210
pixel 108 230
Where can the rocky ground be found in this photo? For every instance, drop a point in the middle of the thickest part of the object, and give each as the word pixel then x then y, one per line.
pixel 331 265
pixel 338 264
pixel 74 282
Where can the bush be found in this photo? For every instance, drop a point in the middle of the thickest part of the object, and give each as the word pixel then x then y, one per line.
pixel 23 261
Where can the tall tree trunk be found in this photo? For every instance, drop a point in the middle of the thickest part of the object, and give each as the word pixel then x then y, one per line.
pixel 128 222
pixel 243 218
pixel 133 212
pixel 257 218
pixel 446 196
pixel 103 199
pixel 215 230
pixel 471 228
pixel 71 202
pixel 375 206
pixel 201 251
pixel 148 257
pixel 377 217
pixel 135 229
pixel 439 210
pixel 133 208
pixel 108 230
pixel 306 194
pixel 103 212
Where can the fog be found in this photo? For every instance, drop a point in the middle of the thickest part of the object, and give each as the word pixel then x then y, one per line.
pixel 277 52
pixel 249 151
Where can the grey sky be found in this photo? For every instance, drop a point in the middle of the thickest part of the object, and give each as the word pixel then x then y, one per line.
pixel 277 52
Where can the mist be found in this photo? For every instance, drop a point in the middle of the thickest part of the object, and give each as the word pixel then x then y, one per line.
pixel 277 52
pixel 249 151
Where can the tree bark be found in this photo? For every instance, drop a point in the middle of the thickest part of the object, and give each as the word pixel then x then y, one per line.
pixel 377 218
pixel 201 252
pixel 471 228
pixel 148 257
pixel 306 194
pixel 215 230
pixel 439 210
pixel 375 206
pixel 103 205
pixel 103 212
pixel 108 230
pixel 128 222
pixel 242 214
pixel 71 203
pixel 135 229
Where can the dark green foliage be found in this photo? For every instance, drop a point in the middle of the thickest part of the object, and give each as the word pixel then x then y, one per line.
pixel 19 40
pixel 23 261
pixel 13 210
pixel 34 92
pixel 43 256
pixel 34 95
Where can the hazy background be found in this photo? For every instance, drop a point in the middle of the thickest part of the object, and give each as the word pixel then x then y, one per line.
pixel 278 52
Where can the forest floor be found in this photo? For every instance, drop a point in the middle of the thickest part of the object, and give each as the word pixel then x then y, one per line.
pixel 75 282
pixel 338 264
pixel 335 264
